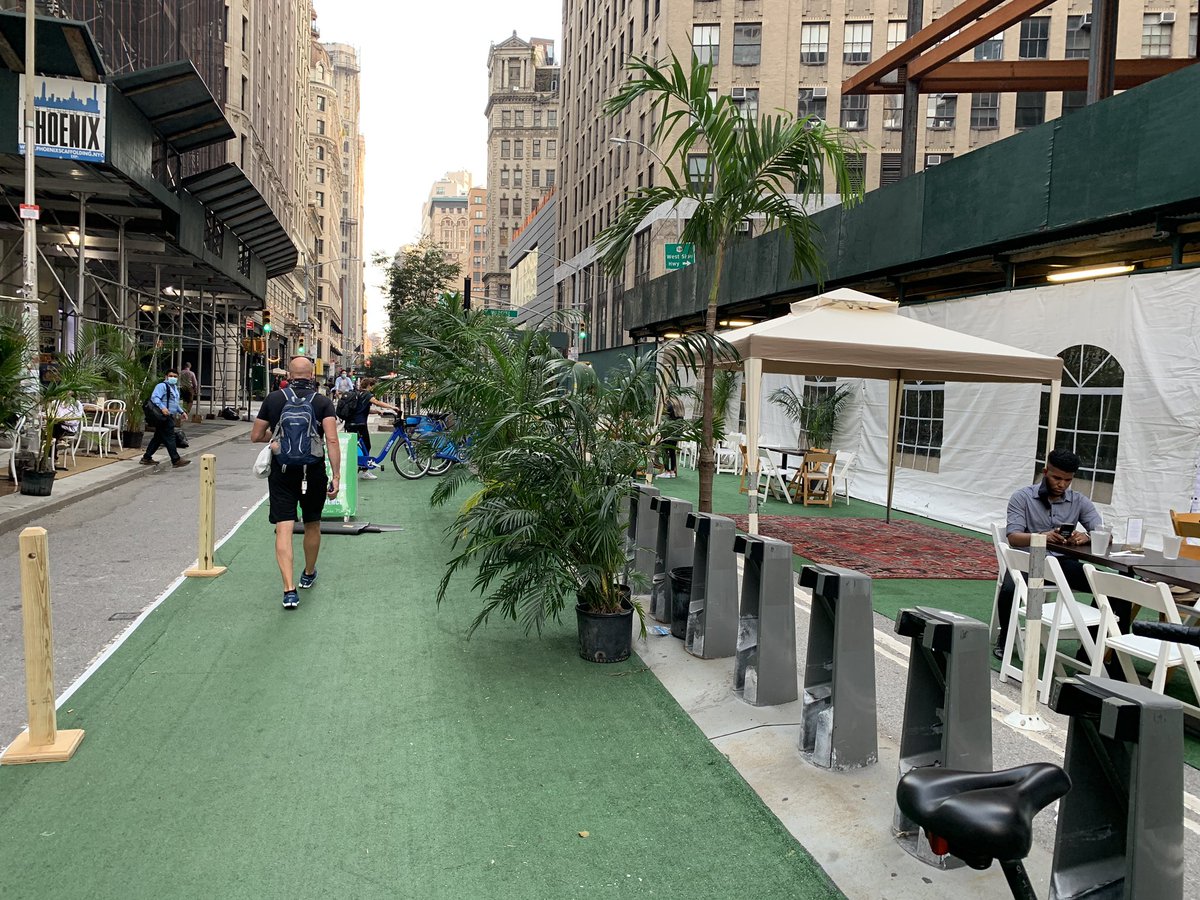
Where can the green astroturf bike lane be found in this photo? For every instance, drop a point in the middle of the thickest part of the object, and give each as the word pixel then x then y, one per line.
pixel 361 746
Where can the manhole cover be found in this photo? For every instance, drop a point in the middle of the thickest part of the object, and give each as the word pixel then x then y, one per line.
pixel 123 617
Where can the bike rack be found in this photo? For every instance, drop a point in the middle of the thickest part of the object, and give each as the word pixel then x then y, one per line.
pixel 947 707
pixel 672 549
pixel 1120 827
pixel 713 614
pixel 837 729
pixel 764 672
pixel 642 536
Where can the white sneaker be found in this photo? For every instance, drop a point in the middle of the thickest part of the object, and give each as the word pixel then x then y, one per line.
pixel 367 476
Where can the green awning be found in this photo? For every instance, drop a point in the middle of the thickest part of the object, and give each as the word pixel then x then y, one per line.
pixel 65 47
pixel 177 102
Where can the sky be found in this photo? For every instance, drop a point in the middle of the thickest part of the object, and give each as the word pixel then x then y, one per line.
pixel 423 95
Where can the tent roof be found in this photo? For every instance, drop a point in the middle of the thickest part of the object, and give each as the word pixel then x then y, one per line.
pixel 849 334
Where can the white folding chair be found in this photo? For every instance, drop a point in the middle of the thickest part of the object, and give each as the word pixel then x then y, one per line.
pixel 770 477
pixel 688 454
pixel 1062 618
pixel 842 473
pixel 115 410
pixel 1165 655
pixel 15 434
pixel 999 544
pixel 727 457
pixel 97 429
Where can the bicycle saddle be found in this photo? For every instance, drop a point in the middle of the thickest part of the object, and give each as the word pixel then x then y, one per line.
pixel 980 816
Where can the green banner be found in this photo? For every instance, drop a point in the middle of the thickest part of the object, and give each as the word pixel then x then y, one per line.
pixel 345 504
pixel 679 256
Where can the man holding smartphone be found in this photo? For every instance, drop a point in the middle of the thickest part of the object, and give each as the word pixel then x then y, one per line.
pixel 1051 508
pixel 301 425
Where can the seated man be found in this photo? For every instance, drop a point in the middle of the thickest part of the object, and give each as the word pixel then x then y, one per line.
pixel 1044 508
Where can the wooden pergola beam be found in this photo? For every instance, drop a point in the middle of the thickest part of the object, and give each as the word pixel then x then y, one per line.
pixel 924 39
pixel 972 36
pixel 1033 75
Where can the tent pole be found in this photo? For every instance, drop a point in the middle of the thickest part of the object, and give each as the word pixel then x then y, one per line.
pixel 753 374
pixel 1052 419
pixel 896 385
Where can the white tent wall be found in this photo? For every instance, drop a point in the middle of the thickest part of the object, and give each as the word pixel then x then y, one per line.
pixel 1149 322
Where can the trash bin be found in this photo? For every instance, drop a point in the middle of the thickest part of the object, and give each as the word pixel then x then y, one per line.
pixel 660 587
pixel 681 600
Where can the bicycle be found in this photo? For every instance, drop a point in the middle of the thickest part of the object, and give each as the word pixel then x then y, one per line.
pixel 406 459
pixel 433 444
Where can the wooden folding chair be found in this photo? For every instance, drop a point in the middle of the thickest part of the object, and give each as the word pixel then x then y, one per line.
pixel 813 481
pixel 1187 525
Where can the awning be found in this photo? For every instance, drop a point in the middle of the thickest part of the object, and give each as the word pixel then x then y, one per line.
pixel 176 101
pixel 64 46
pixel 228 192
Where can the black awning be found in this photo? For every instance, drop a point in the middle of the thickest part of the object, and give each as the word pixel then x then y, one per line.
pixel 177 102
pixel 64 47
pixel 228 192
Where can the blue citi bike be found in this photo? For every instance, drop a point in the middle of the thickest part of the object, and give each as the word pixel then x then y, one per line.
pixel 417 446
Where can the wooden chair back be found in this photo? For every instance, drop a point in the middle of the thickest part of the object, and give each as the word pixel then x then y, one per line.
pixel 1187 525
pixel 816 478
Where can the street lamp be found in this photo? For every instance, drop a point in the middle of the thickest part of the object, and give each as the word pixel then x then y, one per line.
pixel 663 163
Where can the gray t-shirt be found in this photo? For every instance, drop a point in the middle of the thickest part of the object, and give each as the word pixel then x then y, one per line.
pixel 1030 510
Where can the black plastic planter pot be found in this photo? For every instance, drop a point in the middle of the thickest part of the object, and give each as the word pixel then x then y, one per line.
pixel 132 439
pixel 605 637
pixel 37 484
pixel 681 600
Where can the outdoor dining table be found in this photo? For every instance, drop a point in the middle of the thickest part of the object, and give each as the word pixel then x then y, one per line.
pixel 1149 564
pixel 785 452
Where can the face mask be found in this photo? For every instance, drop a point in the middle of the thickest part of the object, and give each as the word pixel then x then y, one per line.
pixel 172 381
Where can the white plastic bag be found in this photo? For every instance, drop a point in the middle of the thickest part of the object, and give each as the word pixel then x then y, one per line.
pixel 262 465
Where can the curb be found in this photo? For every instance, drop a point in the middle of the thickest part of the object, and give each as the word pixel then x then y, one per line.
pixel 18 518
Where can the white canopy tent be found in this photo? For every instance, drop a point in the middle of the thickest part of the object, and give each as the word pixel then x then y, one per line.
pixel 848 334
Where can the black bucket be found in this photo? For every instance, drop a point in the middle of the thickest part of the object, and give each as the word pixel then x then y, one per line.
pixel 37 484
pixel 605 637
pixel 681 600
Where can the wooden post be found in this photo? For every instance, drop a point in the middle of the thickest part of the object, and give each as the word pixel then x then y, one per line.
pixel 42 741
pixel 206 566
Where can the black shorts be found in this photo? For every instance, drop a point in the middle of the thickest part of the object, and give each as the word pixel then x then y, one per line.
pixel 286 492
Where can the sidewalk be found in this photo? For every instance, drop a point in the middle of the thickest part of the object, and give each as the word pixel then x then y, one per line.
pixel 18 510
pixel 361 746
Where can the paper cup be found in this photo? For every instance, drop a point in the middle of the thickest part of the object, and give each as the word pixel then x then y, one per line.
pixel 1100 541
pixel 1171 545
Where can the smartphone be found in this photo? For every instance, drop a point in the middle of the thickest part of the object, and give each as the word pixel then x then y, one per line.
pixel 1066 529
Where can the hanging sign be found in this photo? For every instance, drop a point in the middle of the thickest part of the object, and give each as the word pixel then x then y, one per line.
pixel 69 118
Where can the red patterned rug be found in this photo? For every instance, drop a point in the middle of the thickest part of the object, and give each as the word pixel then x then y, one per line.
pixel 902 549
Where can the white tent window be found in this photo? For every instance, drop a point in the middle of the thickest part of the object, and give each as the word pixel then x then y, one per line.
pixel 1089 417
pixel 922 417
pixel 817 389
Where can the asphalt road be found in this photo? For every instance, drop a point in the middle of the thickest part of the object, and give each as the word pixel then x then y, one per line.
pixel 110 556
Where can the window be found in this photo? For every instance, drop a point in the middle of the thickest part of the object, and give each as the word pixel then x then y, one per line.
pixel 1192 37
pixel 320 103
pixel 506 118
pixel 519 118
pixel 1089 417
pixel 506 149
pixel 896 34
pixel 1035 37
pixel 985 111
pixel 518 149
pixel 245 90
pixel 551 149
pixel 549 178
pixel 809 104
pixel 856 170
pixel 537 149
pixel 857 48
pixel 893 112
pixel 503 235
pixel 889 168
pixel 504 206
pixel 514 73
pixel 478 230
pixel 536 175
pixel 320 175
pixel 552 118
pixel 745 101
pixel 1073 101
pixel 1031 108
pixel 504 177
pixel 706 43
pixel 747 44
pixel 641 255
pixel 922 418
pixel 854 112
pixel 698 175
pixel 992 48
pixel 321 199
pixel 477 200
pixel 517 177
pixel 320 152
pixel 814 43
pixel 245 34
pixel 941 112
pixel 1079 38
pixel 537 118
pixel 320 126
pixel 1156 35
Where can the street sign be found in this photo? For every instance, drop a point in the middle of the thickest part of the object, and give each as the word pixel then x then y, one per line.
pixel 680 256
pixel 249 324
pixel 511 313
pixel 31 211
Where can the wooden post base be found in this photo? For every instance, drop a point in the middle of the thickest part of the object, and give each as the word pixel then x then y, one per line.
pixel 206 573
pixel 21 751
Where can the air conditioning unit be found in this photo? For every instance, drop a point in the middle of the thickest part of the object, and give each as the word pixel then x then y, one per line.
pixel 744 226
pixel 820 93
pixel 737 93
pixel 1085 21
pixel 933 159
pixel 1166 18
pixel 855 126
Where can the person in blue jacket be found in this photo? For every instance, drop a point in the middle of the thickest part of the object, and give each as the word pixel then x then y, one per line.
pixel 166 400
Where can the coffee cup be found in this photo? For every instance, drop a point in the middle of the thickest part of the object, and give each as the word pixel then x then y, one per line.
pixel 1100 541
pixel 1171 545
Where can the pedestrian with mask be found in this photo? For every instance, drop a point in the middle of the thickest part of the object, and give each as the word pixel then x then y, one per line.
pixel 189 388
pixel 164 404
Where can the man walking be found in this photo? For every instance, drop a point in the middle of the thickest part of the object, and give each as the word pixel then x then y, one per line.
pixel 301 426
pixel 189 388
pixel 343 384
pixel 164 402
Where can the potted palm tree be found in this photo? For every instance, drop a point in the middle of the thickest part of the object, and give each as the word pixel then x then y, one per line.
pixel 71 377
pixel 815 421
pixel 130 375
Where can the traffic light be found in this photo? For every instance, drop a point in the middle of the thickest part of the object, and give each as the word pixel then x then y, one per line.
pixel 300 350
pixel 466 294
pixel 266 317
pixel 582 333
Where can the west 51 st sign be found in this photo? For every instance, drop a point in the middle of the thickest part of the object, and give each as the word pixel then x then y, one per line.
pixel 69 118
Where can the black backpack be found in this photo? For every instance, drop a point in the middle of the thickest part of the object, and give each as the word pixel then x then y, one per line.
pixel 348 406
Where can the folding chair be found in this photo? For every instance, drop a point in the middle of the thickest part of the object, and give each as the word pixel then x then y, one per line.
pixel 1187 525
pixel 726 456
pixel 842 473
pixel 999 544
pixel 770 478
pixel 814 479
pixel 1063 618
pixel 1165 655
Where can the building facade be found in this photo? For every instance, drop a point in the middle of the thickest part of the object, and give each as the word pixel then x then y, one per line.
pixel 445 220
pixel 774 54
pixel 523 135
pixel 478 225
pixel 531 261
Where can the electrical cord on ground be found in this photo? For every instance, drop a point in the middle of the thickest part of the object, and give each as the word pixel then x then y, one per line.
pixel 717 737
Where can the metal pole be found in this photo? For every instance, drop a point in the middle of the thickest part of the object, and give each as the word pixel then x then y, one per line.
pixel 30 248
pixel 123 269
pixel 76 304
